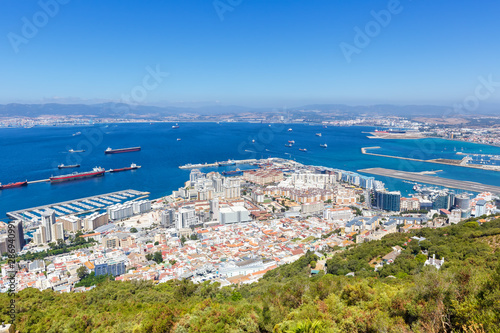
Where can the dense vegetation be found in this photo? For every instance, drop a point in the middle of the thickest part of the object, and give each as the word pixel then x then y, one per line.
pixel 406 296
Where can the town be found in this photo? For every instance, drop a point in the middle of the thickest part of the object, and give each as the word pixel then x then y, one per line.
pixel 230 228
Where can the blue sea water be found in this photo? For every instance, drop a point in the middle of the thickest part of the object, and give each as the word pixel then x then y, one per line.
pixel 34 153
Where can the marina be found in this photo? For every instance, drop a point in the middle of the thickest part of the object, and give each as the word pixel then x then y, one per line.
pixel 77 206
pixel 422 178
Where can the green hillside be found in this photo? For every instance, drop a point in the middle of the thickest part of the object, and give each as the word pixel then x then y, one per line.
pixel 405 296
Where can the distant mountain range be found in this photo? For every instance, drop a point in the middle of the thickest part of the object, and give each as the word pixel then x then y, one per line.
pixel 121 110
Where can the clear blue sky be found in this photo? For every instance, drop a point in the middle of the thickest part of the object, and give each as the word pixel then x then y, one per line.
pixel 263 52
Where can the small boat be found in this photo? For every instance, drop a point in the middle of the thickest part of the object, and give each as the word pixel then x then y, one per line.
pixel 288 145
pixel 253 141
pixel 132 166
pixel 76 151
pixel 178 139
pixel 62 166
pixel 13 185
pixel 289 130
pixel 318 134
pixel 77 133
pixel 324 145
pixel 303 149
pixel 175 126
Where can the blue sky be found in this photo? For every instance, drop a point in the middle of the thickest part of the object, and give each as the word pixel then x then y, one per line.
pixel 262 52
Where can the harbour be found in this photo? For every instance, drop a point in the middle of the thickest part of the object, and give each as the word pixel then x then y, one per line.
pixel 216 164
pixel 422 178
pixel 79 206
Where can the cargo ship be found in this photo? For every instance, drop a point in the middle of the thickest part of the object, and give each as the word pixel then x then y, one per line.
pixel 175 126
pixel 121 150
pixel 62 166
pixel 303 149
pixel 291 142
pixel 13 185
pixel 132 166
pixel 96 172
pixel 76 151
pixel 232 173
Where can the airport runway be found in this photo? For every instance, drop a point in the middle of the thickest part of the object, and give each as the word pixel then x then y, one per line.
pixel 446 182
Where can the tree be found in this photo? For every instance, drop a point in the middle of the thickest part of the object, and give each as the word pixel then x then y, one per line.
pixel 183 239
pixel 157 243
pixel 133 230
pixel 82 272
pixel 194 236
pixel 158 257
pixel 361 198
pixel 313 264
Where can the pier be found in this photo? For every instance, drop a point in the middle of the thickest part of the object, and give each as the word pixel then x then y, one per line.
pixel 79 206
pixel 422 178
pixel 216 164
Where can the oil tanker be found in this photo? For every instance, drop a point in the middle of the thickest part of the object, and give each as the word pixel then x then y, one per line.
pixel 12 185
pixel 132 166
pixel 121 150
pixel 96 172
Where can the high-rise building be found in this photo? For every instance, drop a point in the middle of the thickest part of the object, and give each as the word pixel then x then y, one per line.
pixel 214 209
pixel 57 232
pixel 48 220
pixel 443 201
pixel 167 218
pixel 480 208
pixel 195 175
pixel 19 241
pixel 462 201
pixel 390 201
pixel 186 217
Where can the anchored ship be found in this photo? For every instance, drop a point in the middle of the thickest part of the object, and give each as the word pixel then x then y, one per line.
pixel 302 149
pixel 62 166
pixel 12 185
pixel 96 172
pixel 132 166
pixel 121 150
pixel 291 142
pixel 175 126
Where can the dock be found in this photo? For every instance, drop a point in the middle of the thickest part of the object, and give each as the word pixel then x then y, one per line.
pixel 439 181
pixel 216 164
pixel 78 206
